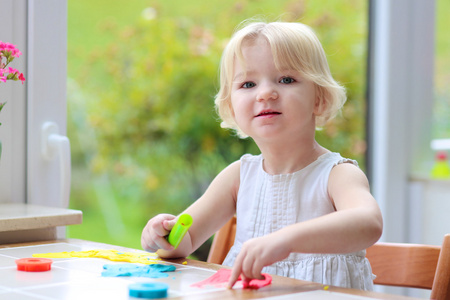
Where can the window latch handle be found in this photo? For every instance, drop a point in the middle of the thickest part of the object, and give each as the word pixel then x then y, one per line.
pixel 55 145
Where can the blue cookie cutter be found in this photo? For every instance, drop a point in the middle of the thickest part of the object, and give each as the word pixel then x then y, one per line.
pixel 149 290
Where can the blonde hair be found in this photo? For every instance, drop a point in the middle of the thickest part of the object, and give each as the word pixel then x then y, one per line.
pixel 294 46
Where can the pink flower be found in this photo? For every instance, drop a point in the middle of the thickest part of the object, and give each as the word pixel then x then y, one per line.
pixel 12 71
pixel 17 53
pixel 11 74
pixel 9 51
pixel 7 46
pixel 2 78
pixel 21 78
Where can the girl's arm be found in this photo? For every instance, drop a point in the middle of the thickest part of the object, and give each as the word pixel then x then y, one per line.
pixel 355 225
pixel 209 213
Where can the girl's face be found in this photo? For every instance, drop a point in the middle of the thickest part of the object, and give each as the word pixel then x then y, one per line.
pixel 269 103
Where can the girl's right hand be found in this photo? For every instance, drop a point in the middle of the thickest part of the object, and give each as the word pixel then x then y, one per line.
pixel 154 234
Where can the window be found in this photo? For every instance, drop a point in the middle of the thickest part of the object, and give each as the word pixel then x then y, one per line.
pixel 144 134
pixel 27 177
pixel 441 108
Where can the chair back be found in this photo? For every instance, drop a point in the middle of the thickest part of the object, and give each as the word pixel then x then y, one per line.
pixel 413 265
pixel 441 284
pixel 394 264
pixel 222 242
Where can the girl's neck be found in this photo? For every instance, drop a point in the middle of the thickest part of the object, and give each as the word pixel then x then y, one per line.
pixel 286 159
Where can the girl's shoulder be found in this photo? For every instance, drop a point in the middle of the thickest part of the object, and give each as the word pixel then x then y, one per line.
pixel 347 176
pixel 339 160
pixel 328 162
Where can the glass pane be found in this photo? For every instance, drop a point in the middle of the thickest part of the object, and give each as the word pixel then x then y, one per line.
pixel 145 137
pixel 441 111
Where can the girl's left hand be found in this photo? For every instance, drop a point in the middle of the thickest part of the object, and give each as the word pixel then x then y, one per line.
pixel 256 254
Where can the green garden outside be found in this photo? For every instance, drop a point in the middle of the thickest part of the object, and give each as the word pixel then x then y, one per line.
pixel 142 77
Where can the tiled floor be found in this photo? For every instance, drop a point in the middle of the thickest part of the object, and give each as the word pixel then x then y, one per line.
pixel 80 278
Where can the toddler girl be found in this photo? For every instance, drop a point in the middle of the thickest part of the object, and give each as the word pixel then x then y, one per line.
pixel 302 211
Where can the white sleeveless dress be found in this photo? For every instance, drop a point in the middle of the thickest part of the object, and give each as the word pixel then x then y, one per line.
pixel 267 203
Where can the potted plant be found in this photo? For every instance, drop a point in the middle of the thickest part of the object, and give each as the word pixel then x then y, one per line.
pixel 7 54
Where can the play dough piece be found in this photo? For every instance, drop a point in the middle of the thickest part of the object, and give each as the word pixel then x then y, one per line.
pixel 146 258
pixel 149 290
pixel 151 271
pixel 34 264
pixel 221 277
pixel 258 283
pixel 217 279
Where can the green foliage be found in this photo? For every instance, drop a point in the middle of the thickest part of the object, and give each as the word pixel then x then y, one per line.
pixel 158 111
pixel 441 108
pixel 148 104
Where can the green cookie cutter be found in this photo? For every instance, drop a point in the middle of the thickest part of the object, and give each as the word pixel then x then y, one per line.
pixel 179 230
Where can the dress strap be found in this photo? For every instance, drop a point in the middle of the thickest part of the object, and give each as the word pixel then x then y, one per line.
pixel 346 160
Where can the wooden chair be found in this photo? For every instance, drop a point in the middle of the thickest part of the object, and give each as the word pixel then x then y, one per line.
pixel 394 264
pixel 222 242
pixel 413 265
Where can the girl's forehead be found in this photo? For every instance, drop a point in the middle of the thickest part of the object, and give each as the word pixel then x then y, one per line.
pixel 282 54
pixel 244 59
pixel 258 41
pixel 249 49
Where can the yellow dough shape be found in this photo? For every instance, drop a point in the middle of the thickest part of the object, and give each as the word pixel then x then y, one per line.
pixel 114 255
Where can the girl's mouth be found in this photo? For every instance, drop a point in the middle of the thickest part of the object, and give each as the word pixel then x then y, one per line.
pixel 268 113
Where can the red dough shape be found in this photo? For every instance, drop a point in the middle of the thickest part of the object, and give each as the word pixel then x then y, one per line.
pixel 222 276
pixel 258 283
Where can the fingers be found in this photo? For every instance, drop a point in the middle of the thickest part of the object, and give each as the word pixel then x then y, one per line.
pixel 236 271
pixel 251 267
pixel 168 224
pixel 154 233
pixel 248 265
pixel 162 243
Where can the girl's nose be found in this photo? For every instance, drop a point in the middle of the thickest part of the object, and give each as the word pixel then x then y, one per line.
pixel 266 92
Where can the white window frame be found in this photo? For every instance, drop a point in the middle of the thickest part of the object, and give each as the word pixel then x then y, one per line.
pixel 400 105
pixel 39 28
pixel 47 67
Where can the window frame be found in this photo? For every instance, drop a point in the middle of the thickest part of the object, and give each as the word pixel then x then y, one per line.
pixel 400 97
pixel 39 28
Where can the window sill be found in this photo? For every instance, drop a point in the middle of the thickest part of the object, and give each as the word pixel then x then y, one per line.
pixel 25 222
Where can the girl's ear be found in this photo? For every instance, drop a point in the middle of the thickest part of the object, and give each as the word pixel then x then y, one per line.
pixel 320 104
pixel 230 107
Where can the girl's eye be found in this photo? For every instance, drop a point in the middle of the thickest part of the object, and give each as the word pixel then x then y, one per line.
pixel 248 85
pixel 287 80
